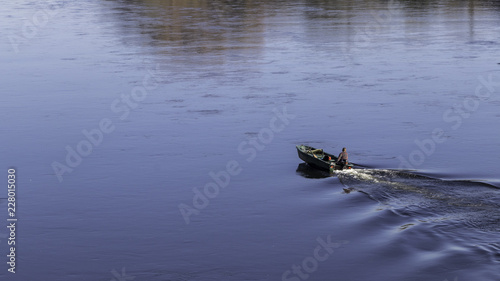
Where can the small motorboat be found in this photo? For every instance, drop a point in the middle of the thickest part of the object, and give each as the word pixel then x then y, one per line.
pixel 319 159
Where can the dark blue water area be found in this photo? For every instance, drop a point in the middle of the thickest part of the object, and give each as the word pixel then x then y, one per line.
pixel 396 225
pixel 199 179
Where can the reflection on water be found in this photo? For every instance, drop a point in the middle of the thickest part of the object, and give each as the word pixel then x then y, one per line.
pixel 217 27
pixel 239 38
pixel 311 173
pixel 222 29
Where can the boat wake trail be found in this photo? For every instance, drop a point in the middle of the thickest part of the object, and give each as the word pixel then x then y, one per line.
pixel 474 204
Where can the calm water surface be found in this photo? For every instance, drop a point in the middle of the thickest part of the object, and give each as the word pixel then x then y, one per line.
pixel 120 116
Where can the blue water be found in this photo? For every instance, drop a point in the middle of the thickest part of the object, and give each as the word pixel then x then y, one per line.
pixel 156 140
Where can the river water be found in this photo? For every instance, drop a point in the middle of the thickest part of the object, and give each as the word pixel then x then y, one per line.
pixel 155 140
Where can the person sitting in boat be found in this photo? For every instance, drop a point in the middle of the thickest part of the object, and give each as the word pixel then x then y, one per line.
pixel 342 159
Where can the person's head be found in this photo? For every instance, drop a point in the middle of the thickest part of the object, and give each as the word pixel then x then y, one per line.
pixel 343 149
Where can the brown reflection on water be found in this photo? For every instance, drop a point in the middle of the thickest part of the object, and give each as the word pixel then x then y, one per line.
pixel 218 32
pixel 221 29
